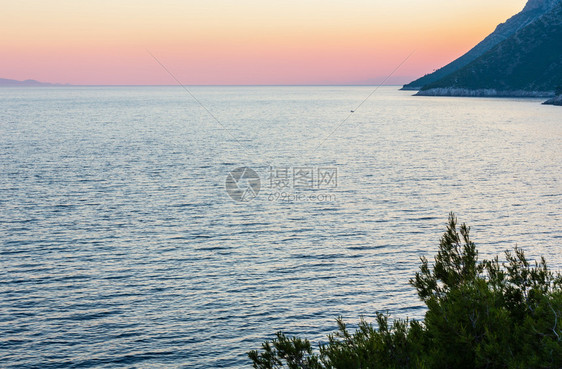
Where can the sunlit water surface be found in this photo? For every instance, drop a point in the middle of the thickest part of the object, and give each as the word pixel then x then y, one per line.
pixel 120 248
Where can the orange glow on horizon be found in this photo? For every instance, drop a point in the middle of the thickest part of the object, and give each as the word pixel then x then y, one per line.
pixel 252 42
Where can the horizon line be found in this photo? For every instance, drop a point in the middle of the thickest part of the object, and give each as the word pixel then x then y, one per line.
pixel 49 84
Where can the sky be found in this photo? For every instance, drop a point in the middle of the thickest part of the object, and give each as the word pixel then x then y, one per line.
pixel 242 42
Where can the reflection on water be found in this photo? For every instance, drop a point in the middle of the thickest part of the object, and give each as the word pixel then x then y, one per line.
pixel 121 248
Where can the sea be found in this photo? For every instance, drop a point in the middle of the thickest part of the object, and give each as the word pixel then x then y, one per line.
pixel 181 227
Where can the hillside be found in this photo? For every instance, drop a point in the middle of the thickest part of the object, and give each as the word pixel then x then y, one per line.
pixel 529 63
pixel 532 11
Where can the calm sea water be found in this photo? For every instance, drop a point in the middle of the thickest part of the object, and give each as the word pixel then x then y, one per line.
pixel 121 248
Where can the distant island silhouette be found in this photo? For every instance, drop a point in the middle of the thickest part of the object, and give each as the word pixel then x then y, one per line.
pixel 4 82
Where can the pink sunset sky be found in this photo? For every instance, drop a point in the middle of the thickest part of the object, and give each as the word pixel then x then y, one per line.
pixel 243 42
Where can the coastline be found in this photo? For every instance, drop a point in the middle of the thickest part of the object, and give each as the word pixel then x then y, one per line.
pixel 463 92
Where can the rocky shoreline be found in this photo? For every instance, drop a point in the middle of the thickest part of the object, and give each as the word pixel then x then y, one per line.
pixel 451 91
pixel 463 92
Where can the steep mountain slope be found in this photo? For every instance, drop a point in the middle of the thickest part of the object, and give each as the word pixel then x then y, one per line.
pixel 532 11
pixel 529 63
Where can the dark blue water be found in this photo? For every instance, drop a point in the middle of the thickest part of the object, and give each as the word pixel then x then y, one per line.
pixel 121 248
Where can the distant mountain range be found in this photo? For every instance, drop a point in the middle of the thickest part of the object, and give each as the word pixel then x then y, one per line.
pixel 522 57
pixel 27 83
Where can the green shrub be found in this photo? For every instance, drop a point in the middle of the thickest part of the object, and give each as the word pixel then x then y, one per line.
pixel 479 315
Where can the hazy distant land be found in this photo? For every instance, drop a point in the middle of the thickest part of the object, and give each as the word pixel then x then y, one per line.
pixel 4 82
